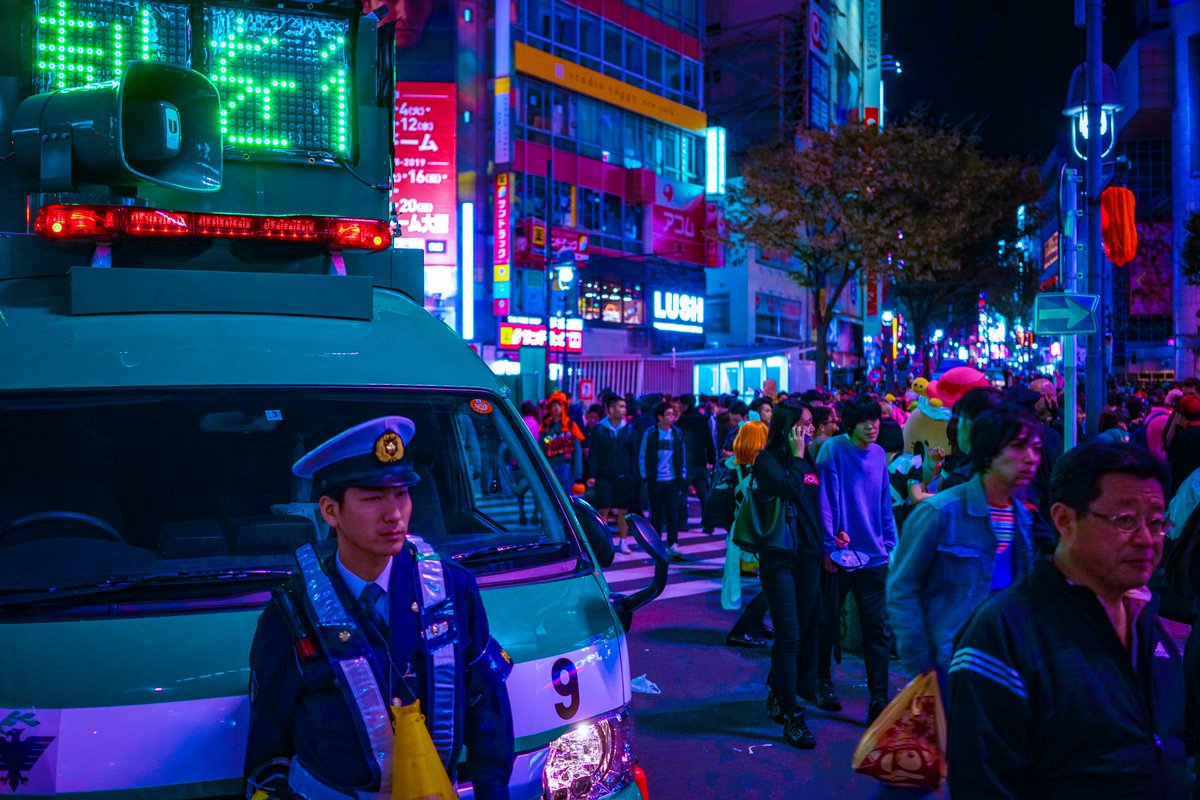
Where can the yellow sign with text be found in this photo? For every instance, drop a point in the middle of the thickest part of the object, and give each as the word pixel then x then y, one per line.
pixel 569 75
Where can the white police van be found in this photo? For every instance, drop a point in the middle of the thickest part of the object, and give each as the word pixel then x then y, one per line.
pixel 167 355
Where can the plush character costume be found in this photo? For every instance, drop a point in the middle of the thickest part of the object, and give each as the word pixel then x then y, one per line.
pixel 928 422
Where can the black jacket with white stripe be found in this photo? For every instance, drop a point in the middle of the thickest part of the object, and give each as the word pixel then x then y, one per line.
pixel 1045 701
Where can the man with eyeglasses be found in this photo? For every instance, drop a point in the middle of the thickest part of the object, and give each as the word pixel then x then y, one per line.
pixel 1066 685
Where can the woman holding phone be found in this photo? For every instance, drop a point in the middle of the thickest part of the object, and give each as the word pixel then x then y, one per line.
pixel 790 567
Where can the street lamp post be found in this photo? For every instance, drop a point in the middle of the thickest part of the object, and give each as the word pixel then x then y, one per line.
pixel 1097 382
pixel 565 273
pixel 1092 103
pixel 889 354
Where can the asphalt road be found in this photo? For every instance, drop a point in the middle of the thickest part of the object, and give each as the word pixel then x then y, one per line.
pixel 707 735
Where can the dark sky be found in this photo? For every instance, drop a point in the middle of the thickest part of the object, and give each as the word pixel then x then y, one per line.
pixel 1005 65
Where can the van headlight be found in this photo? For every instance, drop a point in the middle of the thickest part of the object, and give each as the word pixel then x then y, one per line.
pixel 592 760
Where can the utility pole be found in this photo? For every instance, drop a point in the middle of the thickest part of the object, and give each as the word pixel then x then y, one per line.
pixel 1097 382
pixel 1068 250
pixel 547 276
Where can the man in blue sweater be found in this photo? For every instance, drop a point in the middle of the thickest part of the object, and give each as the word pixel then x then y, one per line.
pixel 860 534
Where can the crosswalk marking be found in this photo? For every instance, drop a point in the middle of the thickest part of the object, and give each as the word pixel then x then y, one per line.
pixel 699 572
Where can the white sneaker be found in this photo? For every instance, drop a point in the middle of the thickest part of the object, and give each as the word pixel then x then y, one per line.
pixel 624 547
pixel 674 552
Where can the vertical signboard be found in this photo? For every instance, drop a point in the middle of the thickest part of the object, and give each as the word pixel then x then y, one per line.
pixel 716 231
pixel 425 186
pixel 502 251
pixel 503 121
pixel 425 182
pixel 502 89
pixel 818 68
pixel 1150 272
pixel 1048 278
pixel 873 62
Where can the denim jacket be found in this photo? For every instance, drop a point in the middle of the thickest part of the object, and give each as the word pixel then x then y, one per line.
pixel 941 571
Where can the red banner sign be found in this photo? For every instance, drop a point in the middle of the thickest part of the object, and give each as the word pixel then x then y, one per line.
pixel 531 243
pixel 716 232
pixel 675 222
pixel 425 178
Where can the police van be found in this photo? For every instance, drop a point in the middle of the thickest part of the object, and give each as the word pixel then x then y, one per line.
pixel 191 297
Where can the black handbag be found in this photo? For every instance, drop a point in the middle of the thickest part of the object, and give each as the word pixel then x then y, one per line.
pixel 758 519
pixel 720 503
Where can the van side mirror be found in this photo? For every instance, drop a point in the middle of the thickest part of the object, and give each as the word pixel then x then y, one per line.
pixel 650 542
pixel 595 530
pixel 648 538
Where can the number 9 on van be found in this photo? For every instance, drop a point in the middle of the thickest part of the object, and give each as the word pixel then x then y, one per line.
pixel 591 761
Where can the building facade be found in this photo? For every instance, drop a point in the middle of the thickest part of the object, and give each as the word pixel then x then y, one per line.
pixel 594 209
pixel 775 69
pixel 1184 19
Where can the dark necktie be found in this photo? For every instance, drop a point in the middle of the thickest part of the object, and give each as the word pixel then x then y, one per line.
pixel 372 593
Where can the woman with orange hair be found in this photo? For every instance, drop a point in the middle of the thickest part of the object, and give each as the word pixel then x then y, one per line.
pixel 749 630
pixel 560 439
pixel 750 438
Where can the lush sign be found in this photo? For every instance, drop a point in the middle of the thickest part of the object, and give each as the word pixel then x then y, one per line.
pixel 674 311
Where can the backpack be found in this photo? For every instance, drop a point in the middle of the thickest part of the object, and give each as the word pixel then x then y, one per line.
pixel 1138 438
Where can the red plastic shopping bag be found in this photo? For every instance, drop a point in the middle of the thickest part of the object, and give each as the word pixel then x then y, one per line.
pixel 906 745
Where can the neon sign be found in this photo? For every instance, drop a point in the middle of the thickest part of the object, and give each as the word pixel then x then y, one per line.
pixel 680 313
pixel 502 250
pixel 518 332
pixel 425 179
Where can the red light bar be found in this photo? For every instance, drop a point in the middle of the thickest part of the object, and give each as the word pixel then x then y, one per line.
pixel 106 223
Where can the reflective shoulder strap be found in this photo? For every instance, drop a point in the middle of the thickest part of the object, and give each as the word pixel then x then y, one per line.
pixel 326 603
pixel 439 633
pixel 347 649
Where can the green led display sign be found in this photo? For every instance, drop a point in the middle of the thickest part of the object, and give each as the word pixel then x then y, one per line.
pixel 78 42
pixel 285 77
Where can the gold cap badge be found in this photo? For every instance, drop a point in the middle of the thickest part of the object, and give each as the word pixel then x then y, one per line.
pixel 389 448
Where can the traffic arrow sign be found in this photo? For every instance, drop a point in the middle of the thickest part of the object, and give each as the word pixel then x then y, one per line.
pixel 1064 314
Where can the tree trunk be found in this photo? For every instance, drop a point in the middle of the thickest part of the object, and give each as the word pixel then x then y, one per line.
pixel 821 340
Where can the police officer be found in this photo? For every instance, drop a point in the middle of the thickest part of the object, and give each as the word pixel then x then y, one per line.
pixel 383 622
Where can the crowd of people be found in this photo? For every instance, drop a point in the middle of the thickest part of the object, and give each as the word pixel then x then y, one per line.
pixel 973 546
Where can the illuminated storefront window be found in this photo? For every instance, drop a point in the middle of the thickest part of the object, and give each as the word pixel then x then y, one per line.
pixel 616 302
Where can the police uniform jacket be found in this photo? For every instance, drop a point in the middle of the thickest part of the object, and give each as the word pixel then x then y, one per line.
pixel 297 710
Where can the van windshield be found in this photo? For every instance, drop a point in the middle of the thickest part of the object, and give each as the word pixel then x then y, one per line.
pixel 123 490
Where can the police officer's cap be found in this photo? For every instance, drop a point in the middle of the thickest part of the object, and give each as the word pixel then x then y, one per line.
pixel 370 454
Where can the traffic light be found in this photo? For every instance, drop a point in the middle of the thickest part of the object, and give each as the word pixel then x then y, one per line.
pixel 157 124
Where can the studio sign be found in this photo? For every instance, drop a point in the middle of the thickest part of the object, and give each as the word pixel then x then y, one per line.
pixel 683 313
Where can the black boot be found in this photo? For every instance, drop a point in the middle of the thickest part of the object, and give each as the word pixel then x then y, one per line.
pixel 773 707
pixel 875 708
pixel 827 697
pixel 796 731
